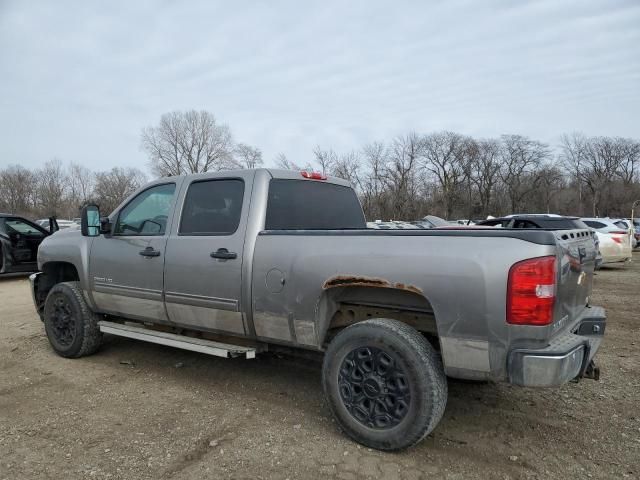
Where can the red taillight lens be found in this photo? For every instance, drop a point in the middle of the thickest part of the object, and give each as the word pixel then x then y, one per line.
pixel 531 291
pixel 313 175
pixel 617 239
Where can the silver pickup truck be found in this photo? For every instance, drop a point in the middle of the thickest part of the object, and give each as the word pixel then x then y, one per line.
pixel 238 263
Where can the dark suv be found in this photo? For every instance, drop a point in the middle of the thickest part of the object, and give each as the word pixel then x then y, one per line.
pixel 547 222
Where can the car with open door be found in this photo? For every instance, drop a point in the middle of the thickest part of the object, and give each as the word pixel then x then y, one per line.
pixel 19 242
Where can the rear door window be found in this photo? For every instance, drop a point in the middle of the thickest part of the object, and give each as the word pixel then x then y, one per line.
pixel 594 224
pixel 621 224
pixel 212 207
pixel 524 224
pixel 311 205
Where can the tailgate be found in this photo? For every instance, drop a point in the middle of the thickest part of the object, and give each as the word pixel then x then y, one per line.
pixel 577 254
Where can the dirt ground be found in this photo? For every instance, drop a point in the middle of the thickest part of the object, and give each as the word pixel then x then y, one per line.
pixel 137 411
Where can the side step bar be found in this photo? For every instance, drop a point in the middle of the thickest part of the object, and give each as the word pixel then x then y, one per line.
pixel 179 341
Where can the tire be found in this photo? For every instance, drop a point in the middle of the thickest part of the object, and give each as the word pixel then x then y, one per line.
pixel 385 384
pixel 71 327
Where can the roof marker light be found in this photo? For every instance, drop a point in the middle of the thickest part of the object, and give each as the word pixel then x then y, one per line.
pixel 313 175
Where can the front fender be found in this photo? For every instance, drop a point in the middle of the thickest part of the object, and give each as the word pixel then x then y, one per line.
pixel 67 247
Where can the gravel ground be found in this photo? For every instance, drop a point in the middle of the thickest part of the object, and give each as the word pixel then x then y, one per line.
pixel 137 411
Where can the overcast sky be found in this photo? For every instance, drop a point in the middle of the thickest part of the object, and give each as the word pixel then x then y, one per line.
pixel 78 80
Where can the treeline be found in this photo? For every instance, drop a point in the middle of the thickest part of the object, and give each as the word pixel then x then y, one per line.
pixel 457 176
pixel 444 173
pixel 182 142
pixel 61 189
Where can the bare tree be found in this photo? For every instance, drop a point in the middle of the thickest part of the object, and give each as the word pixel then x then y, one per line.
pixel 372 183
pixel 573 149
pixel 400 177
pixel 80 186
pixel 113 186
pixel 550 183
pixel 283 162
pixel 325 158
pixel 599 163
pixel 521 157
pixel 17 186
pixel 52 187
pixel 347 166
pixel 629 152
pixel 247 156
pixel 188 142
pixel 485 165
pixel 444 156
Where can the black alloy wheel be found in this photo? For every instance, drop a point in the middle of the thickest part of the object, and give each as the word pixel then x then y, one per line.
pixel 384 383
pixel 63 322
pixel 374 388
pixel 71 327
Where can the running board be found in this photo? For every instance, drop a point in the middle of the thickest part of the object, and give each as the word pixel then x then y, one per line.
pixel 179 341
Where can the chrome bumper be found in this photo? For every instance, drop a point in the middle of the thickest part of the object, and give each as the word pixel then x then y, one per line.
pixel 567 356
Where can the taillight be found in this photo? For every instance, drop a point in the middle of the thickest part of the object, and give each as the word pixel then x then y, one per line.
pixel 313 175
pixel 617 240
pixel 531 291
pixel 619 233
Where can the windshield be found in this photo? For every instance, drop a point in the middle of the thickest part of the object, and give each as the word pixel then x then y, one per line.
pixel 15 225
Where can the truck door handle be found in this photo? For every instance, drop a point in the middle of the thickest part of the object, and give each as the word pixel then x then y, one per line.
pixel 149 252
pixel 224 254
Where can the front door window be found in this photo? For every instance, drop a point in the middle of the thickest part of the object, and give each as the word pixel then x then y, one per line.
pixel 147 213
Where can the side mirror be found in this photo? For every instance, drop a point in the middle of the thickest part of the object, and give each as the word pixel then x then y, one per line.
pixel 105 225
pixel 90 221
pixel 53 225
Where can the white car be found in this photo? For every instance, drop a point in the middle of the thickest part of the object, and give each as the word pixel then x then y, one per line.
pixel 626 224
pixel 615 240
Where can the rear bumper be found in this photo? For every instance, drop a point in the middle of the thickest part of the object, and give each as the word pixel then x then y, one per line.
pixel 568 355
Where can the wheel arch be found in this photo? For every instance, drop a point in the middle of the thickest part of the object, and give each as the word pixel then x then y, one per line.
pixel 53 272
pixel 349 301
pixel 61 271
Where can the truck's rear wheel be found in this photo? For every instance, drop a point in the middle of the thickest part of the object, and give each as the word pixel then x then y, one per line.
pixel 384 383
pixel 72 328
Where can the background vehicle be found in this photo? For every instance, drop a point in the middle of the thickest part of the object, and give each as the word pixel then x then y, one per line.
pixel 393 225
pixel 19 241
pixel 627 225
pixel 555 222
pixel 431 221
pixel 62 224
pixel 615 240
pixel 463 221
pixel 272 259
pixel 636 229
pixel 551 222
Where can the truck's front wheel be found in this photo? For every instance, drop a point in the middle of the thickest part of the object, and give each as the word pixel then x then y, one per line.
pixel 385 384
pixel 72 328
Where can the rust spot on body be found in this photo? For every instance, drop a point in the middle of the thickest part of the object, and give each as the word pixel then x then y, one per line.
pixel 342 280
pixel 353 281
pixel 409 288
